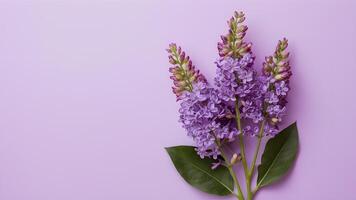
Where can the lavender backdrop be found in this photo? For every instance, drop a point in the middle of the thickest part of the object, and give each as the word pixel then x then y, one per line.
pixel 86 106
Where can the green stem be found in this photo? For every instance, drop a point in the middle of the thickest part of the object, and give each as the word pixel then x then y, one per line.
pixel 250 193
pixel 255 190
pixel 239 194
pixel 242 147
pixel 260 135
pixel 241 141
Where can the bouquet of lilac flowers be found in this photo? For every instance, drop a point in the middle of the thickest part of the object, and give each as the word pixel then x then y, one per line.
pixel 242 103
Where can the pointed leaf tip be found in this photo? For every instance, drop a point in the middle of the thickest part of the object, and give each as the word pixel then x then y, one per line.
pixel 278 157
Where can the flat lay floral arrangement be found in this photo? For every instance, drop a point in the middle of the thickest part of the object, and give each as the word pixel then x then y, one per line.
pixel 241 103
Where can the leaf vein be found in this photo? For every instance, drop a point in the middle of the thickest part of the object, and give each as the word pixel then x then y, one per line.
pixel 216 179
pixel 272 164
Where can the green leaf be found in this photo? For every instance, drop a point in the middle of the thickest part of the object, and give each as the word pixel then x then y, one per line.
pixel 278 156
pixel 198 173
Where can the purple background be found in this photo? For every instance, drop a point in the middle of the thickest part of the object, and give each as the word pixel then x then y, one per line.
pixel 86 106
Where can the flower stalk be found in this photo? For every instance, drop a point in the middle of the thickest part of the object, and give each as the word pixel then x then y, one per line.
pixel 230 165
pixel 250 192
pixel 239 194
pixel 241 140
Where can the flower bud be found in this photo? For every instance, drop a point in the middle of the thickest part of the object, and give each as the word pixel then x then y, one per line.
pixel 277 71
pixel 283 76
pixel 278 64
pixel 235 158
pixel 183 71
pixel 232 44
pixel 275 120
pixel 283 68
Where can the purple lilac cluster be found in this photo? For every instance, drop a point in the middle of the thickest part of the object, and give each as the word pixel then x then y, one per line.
pixel 236 80
pixel 209 114
pixel 235 77
pixel 202 114
pixel 275 86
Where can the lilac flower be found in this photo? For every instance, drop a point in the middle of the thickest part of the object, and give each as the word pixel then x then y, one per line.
pixel 203 115
pixel 234 74
pixel 281 88
pixel 235 77
pixel 270 130
pixel 275 86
